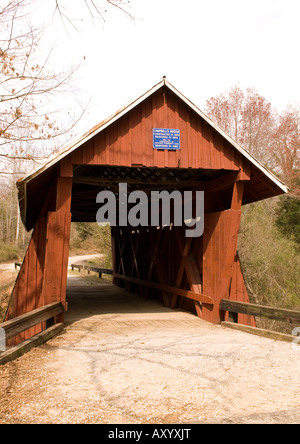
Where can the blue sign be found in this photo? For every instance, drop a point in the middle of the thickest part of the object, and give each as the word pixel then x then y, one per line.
pixel 166 139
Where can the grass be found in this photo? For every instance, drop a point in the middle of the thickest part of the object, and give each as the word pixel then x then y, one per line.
pixel 8 253
pixel 7 281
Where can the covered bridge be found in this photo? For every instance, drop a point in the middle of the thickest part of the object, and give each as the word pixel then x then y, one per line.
pixel 135 146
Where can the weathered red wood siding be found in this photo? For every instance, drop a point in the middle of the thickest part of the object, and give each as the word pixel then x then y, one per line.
pixel 128 141
pixel 43 275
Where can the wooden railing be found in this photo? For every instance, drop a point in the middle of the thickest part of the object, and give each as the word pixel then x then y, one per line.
pixel 98 270
pixel 275 313
pixel 19 324
pixel 89 268
pixel 168 289
pixel 79 267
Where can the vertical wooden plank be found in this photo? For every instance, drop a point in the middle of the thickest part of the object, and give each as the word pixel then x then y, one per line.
pixel 64 267
pixel 181 270
pixel 114 253
pixel 206 145
pixel 159 263
pixel 123 142
pixel 184 135
pixel 41 250
pixel 195 125
pixel 26 295
pixel 158 122
pixel 83 153
pixel 166 124
pixel 107 146
pixel 63 193
pixel 219 249
pixel 115 155
pixel 76 156
pixel 31 296
pixel 147 132
pixel 226 242
pixel 135 119
pixel 55 257
pixel 177 126
pixel 238 292
pixel 20 294
pixel 210 262
pixel 90 151
pixel 237 195
pixel 171 114
pixel 100 149
pixel 57 244
pixel 191 269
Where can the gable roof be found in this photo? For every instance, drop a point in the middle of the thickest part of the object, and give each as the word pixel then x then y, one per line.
pixel 32 180
pixel 69 148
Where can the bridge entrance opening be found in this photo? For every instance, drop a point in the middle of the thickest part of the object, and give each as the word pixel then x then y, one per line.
pixel 155 260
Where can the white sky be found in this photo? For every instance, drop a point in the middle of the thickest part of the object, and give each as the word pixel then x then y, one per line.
pixel 202 47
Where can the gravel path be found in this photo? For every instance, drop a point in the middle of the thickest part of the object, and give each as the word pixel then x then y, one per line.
pixel 122 359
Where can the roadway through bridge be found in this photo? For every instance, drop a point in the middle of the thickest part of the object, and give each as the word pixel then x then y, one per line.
pixel 126 359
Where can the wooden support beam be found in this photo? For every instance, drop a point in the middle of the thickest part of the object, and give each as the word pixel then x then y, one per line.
pixel 169 289
pixel 56 257
pixel 63 194
pixel 134 262
pixel 121 250
pixel 134 249
pixel 58 237
pixel 21 323
pixel 221 183
pixel 34 341
pixel 260 332
pixel 142 183
pixel 192 271
pixel 113 235
pixel 181 270
pixel 219 250
pixel 275 313
pixel 154 252
pixel 237 195
pixel 159 264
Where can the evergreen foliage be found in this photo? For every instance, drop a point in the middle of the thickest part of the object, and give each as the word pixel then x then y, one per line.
pixel 288 218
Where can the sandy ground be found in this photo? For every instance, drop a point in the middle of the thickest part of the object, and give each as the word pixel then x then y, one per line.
pixel 126 360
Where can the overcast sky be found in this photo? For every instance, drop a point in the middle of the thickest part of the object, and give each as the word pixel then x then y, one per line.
pixel 202 47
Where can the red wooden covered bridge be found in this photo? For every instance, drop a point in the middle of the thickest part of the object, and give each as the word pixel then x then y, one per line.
pixel 194 273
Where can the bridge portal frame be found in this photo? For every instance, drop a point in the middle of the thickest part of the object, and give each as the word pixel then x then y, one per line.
pixel 193 273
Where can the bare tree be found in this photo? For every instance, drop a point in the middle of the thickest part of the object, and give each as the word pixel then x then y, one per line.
pixel 272 138
pixel 38 107
pixel 97 9
pixel 248 118
pixel 28 88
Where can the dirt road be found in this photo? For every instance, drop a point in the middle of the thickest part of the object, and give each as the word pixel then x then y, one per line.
pixel 123 360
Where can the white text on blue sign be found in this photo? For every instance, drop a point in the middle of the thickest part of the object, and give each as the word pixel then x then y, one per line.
pixel 166 139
